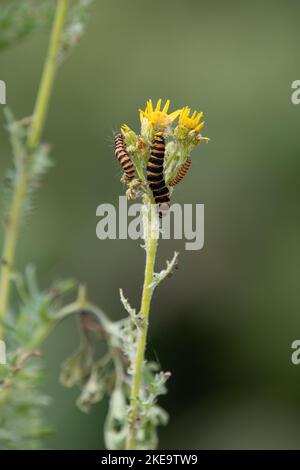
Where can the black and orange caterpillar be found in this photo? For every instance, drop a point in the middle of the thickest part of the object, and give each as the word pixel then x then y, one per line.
pixel 155 173
pixel 123 157
pixel 181 172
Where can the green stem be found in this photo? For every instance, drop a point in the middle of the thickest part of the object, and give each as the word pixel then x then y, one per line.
pixel 151 248
pixel 139 168
pixel 173 173
pixel 34 136
pixel 11 234
pixel 46 85
pixel 140 172
pixel 172 166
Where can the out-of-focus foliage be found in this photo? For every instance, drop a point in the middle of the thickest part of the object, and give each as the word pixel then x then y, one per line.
pixel 33 316
pixel 37 164
pixel 18 19
pixel 76 24
pixel 110 372
pixel 22 425
pixel 21 421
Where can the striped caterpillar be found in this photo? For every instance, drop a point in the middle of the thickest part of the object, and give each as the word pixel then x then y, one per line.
pixel 181 172
pixel 123 157
pixel 155 173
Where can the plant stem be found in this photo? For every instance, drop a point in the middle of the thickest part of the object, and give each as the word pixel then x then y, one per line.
pixel 46 84
pixel 34 136
pixel 11 234
pixel 151 242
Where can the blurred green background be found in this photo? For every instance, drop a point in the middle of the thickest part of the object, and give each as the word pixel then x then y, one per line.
pixel 225 322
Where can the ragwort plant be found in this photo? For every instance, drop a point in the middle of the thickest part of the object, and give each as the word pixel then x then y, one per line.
pixel 24 327
pixel 159 168
pixel 132 383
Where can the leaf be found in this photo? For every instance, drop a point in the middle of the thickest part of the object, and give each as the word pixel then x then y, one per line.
pixel 21 421
pixel 159 277
pixel 93 391
pixel 33 166
pixel 76 369
pixel 126 305
pixel 136 319
pixel 115 429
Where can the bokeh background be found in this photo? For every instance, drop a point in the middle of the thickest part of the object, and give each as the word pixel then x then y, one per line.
pixel 225 322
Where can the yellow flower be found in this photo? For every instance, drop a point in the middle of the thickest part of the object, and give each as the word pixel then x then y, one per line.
pixel 193 122
pixel 157 117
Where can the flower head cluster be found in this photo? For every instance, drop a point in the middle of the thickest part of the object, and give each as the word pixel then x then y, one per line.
pixel 159 119
pixel 191 122
pixel 181 130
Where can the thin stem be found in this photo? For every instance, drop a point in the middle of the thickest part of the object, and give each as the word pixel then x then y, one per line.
pixel 173 173
pixel 46 84
pixel 172 166
pixel 140 172
pixel 11 234
pixel 151 240
pixel 139 168
pixel 34 136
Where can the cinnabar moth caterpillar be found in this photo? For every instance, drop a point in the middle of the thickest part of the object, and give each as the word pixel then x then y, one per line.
pixel 123 157
pixel 155 173
pixel 181 172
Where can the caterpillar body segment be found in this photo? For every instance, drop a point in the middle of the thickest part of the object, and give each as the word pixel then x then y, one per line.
pixel 123 157
pixel 181 172
pixel 155 174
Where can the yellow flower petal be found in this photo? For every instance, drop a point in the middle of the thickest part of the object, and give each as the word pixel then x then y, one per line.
pixel 190 122
pixel 149 107
pixel 198 118
pixel 175 114
pixel 158 105
pixel 199 127
pixel 166 107
pixel 157 117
